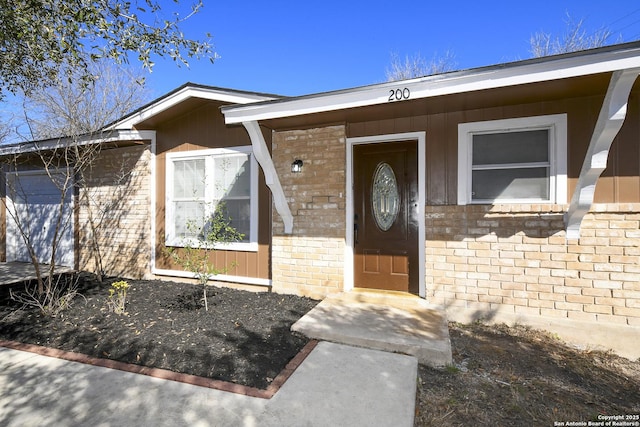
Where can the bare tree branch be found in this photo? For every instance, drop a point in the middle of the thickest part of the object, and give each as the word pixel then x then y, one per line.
pixel 417 66
pixel 70 112
pixel 576 38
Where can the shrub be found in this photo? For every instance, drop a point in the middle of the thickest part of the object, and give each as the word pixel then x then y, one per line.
pixel 195 255
pixel 118 297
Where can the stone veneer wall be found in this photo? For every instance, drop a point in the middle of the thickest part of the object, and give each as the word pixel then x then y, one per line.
pixel 116 200
pixel 514 264
pixel 310 262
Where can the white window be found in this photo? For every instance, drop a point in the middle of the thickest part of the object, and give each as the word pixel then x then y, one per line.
pixel 198 182
pixel 513 161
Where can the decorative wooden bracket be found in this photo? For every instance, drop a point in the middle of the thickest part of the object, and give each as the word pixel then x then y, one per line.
pixel 610 120
pixel 261 152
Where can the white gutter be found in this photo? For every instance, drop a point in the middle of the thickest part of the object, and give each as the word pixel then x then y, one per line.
pixel 531 71
pixel 59 143
pixel 261 152
pixel 610 120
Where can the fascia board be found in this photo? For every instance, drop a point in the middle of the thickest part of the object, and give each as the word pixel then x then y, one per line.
pixel 445 84
pixel 53 144
pixel 182 95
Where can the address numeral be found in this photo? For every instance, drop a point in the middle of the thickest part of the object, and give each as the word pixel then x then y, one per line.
pixel 399 94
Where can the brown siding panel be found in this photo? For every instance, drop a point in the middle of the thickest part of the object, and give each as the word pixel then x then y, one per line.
pixel 204 128
pixel 436 152
pixel 620 183
pixel 625 156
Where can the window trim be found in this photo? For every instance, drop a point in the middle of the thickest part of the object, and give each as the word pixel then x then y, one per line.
pixel 557 126
pixel 171 240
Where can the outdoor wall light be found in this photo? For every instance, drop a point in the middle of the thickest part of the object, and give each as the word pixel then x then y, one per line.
pixel 296 166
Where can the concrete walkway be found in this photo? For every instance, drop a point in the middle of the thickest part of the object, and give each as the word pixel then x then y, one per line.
pixel 336 385
pixel 357 379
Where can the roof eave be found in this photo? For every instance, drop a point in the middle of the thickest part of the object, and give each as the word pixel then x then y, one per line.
pixel 184 92
pixel 102 137
pixel 517 73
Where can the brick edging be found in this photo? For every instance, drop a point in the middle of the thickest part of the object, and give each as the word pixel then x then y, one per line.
pixel 165 374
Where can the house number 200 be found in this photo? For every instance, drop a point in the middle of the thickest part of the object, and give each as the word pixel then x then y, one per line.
pixel 399 94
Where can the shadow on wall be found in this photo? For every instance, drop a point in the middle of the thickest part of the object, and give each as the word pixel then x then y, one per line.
pixel 486 260
pixel 114 221
pixel 488 223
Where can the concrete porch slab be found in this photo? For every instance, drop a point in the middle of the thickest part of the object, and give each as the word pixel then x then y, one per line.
pixel 381 320
pixel 16 272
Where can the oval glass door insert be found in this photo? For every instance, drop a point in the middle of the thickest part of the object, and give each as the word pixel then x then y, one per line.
pixel 385 198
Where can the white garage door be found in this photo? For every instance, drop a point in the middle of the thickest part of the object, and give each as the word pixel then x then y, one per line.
pixel 35 200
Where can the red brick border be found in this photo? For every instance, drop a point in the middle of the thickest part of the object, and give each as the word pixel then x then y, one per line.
pixel 164 374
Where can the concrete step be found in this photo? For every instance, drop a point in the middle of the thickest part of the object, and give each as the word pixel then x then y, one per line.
pixel 381 320
pixel 382 297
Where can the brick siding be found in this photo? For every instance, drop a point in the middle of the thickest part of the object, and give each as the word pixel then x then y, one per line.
pixel 114 220
pixel 515 261
pixel 311 260
pixel 501 263
pixel 502 260
pixel 309 266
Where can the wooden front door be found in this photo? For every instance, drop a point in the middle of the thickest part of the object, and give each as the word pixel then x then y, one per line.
pixel 385 179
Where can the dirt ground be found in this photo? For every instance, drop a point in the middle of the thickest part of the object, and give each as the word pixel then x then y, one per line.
pixel 522 377
pixel 244 338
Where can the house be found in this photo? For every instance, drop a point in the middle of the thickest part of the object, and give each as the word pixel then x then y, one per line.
pixel 508 193
pixel 109 226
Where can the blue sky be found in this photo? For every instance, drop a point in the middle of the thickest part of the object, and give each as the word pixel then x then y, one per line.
pixel 294 48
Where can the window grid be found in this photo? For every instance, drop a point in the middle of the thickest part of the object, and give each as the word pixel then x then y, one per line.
pixel 551 172
pixel 233 183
